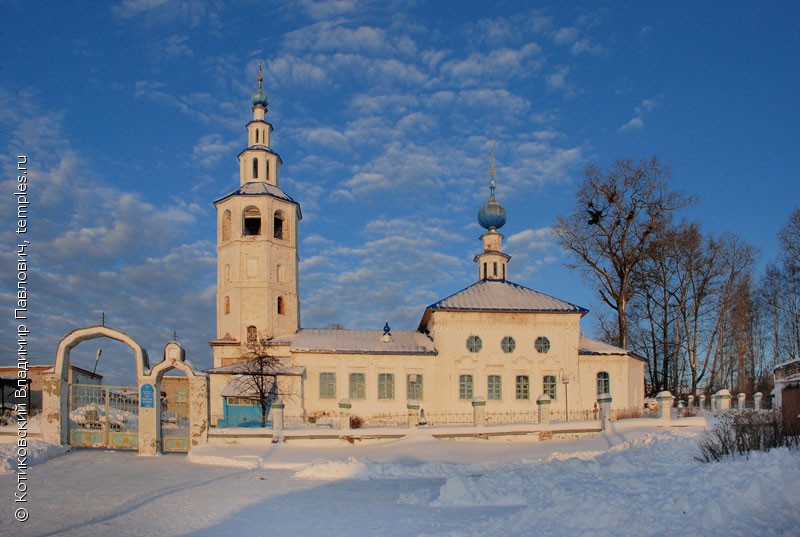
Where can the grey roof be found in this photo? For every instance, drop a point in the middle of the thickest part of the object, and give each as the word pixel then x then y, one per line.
pixel 357 342
pixel 592 347
pixel 260 188
pixel 502 295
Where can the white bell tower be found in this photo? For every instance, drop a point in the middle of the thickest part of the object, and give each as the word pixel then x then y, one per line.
pixel 257 257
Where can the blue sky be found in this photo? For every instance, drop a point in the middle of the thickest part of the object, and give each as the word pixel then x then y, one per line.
pixel 132 114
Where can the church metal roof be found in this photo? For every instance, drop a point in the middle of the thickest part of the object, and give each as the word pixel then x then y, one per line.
pixel 342 341
pixel 502 295
pixel 592 347
pixel 259 188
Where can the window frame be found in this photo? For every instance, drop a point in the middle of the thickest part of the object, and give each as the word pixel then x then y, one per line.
pixel 604 381
pixel 552 390
pixel 522 387
pixel 418 386
pixel 329 383
pixel 474 344
pixel 508 344
pixel 385 386
pixel 542 344
pixel 466 387
pixel 357 386
pixel 494 388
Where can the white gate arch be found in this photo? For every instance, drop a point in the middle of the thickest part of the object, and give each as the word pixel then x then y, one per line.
pixel 55 403
pixel 55 427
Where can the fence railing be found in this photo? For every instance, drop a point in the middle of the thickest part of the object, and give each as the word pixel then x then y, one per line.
pixel 448 418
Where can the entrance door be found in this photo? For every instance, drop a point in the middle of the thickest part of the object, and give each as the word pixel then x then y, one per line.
pixel 104 416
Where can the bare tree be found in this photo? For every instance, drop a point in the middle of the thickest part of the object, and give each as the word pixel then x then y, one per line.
pixel 615 220
pixel 789 237
pixel 256 376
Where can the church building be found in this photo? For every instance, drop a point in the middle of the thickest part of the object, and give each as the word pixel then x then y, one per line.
pixel 494 341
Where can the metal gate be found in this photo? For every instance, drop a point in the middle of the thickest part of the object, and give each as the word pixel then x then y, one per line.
pixel 175 414
pixel 104 416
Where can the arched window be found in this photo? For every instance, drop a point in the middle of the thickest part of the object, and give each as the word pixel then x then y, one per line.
pixel 251 224
pixel 278 231
pixel 603 383
pixel 227 305
pixel 256 135
pixel 252 334
pixel 281 307
pixel 255 168
pixel 226 225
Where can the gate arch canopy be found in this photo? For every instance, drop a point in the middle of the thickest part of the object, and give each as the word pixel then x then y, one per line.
pixel 78 336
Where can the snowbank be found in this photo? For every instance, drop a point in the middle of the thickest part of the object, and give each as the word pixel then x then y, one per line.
pixel 38 451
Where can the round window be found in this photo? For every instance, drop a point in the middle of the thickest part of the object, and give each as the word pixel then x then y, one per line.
pixel 542 344
pixel 508 344
pixel 474 344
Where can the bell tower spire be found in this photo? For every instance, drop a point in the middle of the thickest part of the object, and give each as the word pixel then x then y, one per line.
pixel 492 263
pixel 258 163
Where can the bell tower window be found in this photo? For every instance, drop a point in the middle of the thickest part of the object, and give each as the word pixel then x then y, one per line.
pixel 281 307
pixel 252 334
pixel 255 168
pixel 256 135
pixel 227 305
pixel 251 221
pixel 278 221
pixel 226 225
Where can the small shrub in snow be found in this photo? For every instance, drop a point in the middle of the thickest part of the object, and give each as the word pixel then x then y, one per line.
pixel 745 431
pixel 356 422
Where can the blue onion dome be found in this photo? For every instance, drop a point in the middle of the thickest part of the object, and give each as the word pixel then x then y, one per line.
pixel 259 97
pixel 492 215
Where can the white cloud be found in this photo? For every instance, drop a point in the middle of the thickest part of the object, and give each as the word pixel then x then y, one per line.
pixel 566 35
pixel 211 148
pixel 501 62
pixel 558 79
pixel 637 121
pixel 325 9
pixel 531 239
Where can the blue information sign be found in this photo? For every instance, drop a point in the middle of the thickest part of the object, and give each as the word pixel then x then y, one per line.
pixel 147 398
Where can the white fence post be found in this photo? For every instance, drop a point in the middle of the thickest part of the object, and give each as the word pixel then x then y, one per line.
pixel 413 413
pixel 741 397
pixel 479 412
pixel 344 414
pixel 277 416
pixel 664 405
pixel 757 400
pixel 543 404
pixel 723 400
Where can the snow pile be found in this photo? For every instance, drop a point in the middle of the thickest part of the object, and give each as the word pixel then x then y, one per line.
pixel 93 415
pixel 355 468
pixel 38 451
pixel 644 486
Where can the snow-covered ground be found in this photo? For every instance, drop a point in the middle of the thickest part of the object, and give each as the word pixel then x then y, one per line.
pixel 637 478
